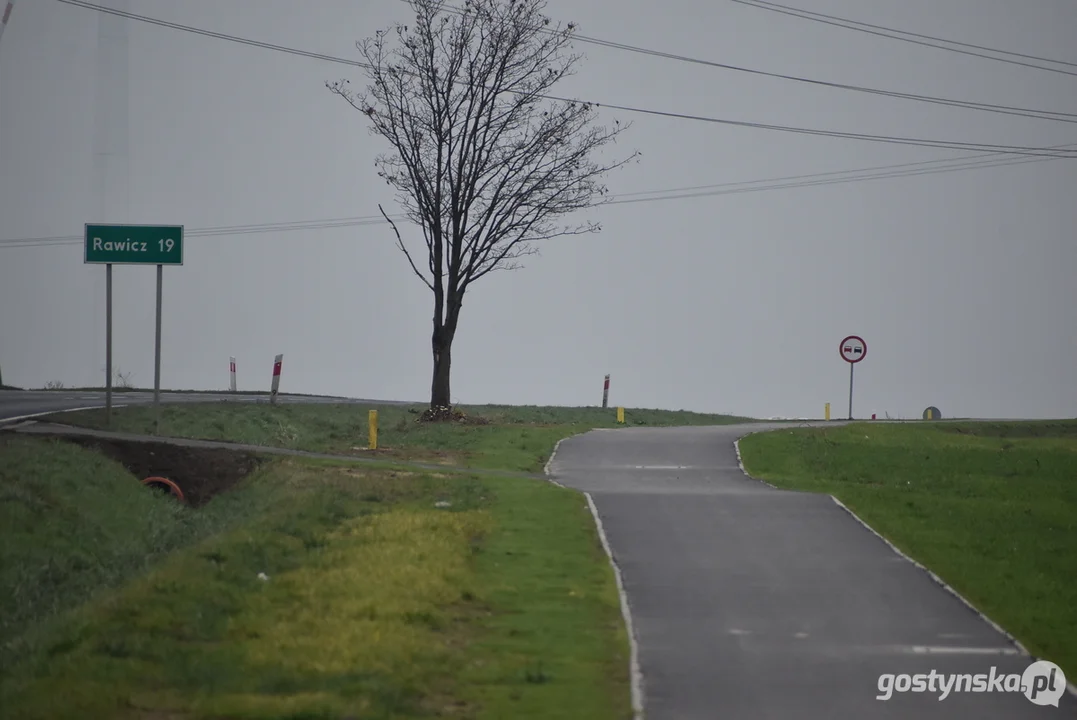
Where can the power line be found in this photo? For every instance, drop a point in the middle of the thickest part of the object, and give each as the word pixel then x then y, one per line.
pixel 926 167
pixel 950 165
pixel 228 230
pixel 919 142
pixel 212 34
pixel 835 181
pixel 950 102
pixel 917 35
pixel 888 139
pixel 905 36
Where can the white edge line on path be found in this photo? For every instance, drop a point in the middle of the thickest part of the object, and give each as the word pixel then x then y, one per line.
pixel 626 613
pixel 740 461
pixel 17 418
pixel 636 677
pixel 549 462
pixel 1070 686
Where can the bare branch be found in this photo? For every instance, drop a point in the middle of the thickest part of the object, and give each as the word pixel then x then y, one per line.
pixel 400 244
pixel 481 157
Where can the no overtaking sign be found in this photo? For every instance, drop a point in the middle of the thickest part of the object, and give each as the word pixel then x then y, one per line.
pixel 853 349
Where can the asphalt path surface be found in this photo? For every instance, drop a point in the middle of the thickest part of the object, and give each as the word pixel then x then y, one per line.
pixel 19 404
pixel 754 603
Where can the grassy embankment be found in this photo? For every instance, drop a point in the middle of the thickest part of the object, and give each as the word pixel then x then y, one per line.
pixel 376 602
pixel 990 507
pixel 119 390
pixel 516 438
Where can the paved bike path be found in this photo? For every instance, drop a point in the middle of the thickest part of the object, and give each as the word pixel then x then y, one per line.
pixel 753 603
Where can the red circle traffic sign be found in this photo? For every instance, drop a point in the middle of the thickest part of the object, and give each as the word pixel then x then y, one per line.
pixel 853 349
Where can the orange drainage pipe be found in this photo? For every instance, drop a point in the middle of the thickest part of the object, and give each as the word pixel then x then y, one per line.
pixel 165 484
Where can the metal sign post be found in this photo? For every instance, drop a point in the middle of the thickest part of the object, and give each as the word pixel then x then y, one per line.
pixel 108 345
pixel 110 245
pixel 853 349
pixel 851 367
pixel 157 358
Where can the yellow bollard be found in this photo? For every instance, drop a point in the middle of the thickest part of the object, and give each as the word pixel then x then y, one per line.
pixel 620 415
pixel 828 411
pixel 372 421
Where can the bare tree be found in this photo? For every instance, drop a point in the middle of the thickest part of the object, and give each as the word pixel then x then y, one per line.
pixel 483 160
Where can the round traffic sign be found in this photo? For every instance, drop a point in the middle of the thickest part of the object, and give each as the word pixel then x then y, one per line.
pixel 853 349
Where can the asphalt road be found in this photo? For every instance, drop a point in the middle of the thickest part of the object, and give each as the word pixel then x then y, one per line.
pixel 18 404
pixel 754 603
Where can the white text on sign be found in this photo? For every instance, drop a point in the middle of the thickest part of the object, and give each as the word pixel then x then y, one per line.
pixel 165 245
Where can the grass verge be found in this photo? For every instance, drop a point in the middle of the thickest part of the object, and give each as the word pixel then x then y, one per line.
pixel 73 523
pixel 989 507
pixel 123 390
pixel 515 438
pixel 376 603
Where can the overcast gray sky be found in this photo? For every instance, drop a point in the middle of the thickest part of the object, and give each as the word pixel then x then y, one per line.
pixel 961 283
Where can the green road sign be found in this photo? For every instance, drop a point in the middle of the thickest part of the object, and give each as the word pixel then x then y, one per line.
pixel 134 244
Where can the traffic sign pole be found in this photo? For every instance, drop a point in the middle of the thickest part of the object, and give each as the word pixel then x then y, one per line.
pixel 851 366
pixel 108 345
pixel 852 349
pixel 157 357
pixel 108 245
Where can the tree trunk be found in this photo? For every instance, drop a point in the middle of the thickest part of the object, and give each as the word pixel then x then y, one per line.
pixel 446 316
pixel 441 344
pixel 439 388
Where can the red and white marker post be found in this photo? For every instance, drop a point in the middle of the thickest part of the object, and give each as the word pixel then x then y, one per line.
pixel 606 393
pixel 853 349
pixel 232 374
pixel 276 377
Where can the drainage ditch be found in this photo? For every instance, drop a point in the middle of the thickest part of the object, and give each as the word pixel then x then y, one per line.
pixel 192 475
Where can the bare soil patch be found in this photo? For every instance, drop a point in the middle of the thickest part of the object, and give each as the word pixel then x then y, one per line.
pixel 200 473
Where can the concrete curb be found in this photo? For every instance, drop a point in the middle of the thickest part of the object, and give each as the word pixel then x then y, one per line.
pixel 1070 686
pixel 636 677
